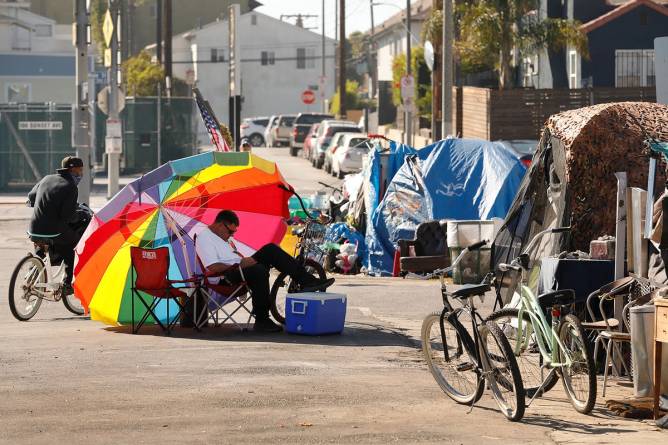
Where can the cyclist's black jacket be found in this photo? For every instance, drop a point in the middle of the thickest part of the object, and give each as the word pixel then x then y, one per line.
pixel 55 201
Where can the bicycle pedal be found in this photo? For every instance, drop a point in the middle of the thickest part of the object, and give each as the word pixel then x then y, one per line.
pixel 465 367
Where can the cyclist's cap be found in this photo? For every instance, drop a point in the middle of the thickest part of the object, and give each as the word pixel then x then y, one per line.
pixel 71 161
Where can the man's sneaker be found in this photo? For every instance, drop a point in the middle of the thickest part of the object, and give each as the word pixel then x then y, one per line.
pixel 318 285
pixel 67 290
pixel 266 325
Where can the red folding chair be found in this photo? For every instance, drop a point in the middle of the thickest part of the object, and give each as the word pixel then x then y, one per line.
pixel 218 296
pixel 150 269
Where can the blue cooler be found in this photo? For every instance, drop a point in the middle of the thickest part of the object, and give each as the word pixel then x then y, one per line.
pixel 315 313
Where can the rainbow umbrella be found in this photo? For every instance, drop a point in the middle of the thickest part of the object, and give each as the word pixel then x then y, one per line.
pixel 167 207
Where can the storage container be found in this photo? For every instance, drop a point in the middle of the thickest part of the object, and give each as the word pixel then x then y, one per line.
pixel 461 234
pixel 315 313
pixel 641 319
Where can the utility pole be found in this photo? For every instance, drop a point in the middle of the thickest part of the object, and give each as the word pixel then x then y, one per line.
pixel 436 79
pixel 168 45
pixel 409 115
pixel 158 36
pixel 342 58
pixel 114 139
pixel 323 74
pixel 372 49
pixel 447 68
pixel 80 121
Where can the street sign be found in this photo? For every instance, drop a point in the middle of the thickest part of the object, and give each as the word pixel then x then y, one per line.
pixel 113 142
pixel 407 87
pixel 409 105
pixel 103 99
pixel 107 57
pixel 308 97
pixel 40 125
pixel 429 55
pixel 108 28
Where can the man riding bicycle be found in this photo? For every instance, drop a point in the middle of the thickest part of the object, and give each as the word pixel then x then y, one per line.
pixel 54 199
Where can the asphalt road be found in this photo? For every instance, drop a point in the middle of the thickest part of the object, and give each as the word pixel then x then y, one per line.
pixel 67 379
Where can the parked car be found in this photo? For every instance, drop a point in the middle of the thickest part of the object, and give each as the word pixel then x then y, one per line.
pixel 336 140
pixel 348 155
pixel 327 129
pixel 300 128
pixel 281 132
pixel 252 128
pixel 309 141
pixel 524 148
pixel 268 132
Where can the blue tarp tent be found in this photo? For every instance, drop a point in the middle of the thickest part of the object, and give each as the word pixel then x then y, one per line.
pixel 451 179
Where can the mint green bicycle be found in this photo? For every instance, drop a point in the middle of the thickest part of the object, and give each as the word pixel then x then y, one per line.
pixel 546 350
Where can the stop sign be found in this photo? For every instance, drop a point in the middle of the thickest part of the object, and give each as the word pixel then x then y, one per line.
pixel 308 97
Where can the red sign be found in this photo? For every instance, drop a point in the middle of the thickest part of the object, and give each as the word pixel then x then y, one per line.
pixel 308 97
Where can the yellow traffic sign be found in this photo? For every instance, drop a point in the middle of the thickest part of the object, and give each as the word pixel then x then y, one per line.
pixel 108 28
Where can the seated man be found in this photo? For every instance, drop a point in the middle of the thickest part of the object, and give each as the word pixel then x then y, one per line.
pixel 220 256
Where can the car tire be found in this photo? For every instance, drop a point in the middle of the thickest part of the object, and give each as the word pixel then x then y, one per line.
pixel 294 151
pixel 256 140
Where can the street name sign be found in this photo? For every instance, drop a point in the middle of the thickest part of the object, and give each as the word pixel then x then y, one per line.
pixel 40 125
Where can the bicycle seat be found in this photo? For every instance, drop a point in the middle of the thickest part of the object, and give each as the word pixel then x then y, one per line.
pixel 470 290
pixel 562 297
pixel 42 239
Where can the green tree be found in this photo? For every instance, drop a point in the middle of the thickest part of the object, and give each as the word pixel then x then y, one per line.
pixel 422 76
pixel 489 31
pixel 352 99
pixel 141 76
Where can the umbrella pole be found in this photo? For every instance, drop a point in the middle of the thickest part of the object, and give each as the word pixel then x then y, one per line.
pixel 172 225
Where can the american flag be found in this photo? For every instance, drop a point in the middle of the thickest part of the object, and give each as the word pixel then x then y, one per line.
pixel 210 122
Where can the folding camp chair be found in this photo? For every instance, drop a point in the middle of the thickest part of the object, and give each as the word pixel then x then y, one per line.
pixel 150 268
pixel 218 296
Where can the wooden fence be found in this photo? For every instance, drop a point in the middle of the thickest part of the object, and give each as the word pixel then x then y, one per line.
pixel 520 114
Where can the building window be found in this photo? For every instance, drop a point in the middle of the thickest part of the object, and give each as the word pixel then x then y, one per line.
pixel 253 20
pixel 634 68
pixel 267 58
pixel 310 57
pixel 17 92
pixel 43 30
pixel 217 55
pixel 20 38
pixel 301 58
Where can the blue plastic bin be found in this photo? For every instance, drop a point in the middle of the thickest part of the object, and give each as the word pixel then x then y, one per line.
pixel 315 313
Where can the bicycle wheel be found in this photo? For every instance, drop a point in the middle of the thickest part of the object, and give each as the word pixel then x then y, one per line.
pixel 454 366
pixel 23 300
pixel 284 285
pixel 525 348
pixel 502 373
pixel 73 304
pixel 579 378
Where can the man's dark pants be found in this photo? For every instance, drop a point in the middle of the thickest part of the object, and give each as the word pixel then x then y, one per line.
pixel 257 276
pixel 64 245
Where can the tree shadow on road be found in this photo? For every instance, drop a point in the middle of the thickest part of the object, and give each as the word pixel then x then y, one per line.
pixel 354 334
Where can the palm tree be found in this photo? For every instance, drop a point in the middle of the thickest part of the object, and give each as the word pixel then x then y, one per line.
pixel 489 31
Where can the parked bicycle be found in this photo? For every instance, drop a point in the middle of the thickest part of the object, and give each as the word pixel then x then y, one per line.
pixel 547 350
pixel 308 252
pixel 462 360
pixel 34 279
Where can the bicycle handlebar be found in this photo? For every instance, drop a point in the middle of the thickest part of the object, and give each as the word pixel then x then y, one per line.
pixel 301 203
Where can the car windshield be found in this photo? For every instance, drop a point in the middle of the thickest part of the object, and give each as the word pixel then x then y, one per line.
pixel 346 129
pixel 262 122
pixel 311 118
pixel 287 121
pixel 359 143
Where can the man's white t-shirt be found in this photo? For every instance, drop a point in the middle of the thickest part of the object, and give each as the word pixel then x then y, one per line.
pixel 213 249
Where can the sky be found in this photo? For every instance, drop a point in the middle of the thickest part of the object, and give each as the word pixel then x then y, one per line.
pixel 358 13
